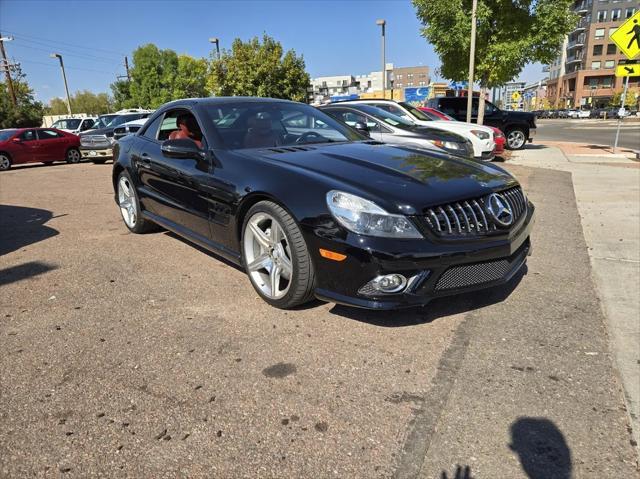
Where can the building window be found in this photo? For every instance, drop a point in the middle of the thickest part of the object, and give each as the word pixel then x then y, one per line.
pixel 612 30
pixel 607 82
pixel 597 50
pixel 602 15
pixel 399 77
pixel 593 82
pixel 611 49
pixel 628 13
pixel 615 14
pixel 599 33
pixel 595 65
pixel 610 64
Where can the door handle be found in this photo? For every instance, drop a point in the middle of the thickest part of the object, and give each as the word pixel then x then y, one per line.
pixel 145 158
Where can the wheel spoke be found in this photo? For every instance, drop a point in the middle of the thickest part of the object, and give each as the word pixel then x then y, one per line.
pixel 260 236
pixel 261 262
pixel 274 276
pixel 276 233
pixel 285 264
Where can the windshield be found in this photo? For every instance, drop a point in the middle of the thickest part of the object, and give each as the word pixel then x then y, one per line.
pixel 6 134
pixel 120 119
pixel 420 115
pixel 386 117
pixel 103 121
pixel 264 124
pixel 68 124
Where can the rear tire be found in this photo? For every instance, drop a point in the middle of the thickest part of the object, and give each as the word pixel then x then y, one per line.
pixel 73 155
pixel 272 249
pixel 130 206
pixel 5 162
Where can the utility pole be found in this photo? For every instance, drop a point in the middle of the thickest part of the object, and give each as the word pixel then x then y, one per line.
pixel 126 66
pixel 383 23
pixel 472 59
pixel 64 77
pixel 7 69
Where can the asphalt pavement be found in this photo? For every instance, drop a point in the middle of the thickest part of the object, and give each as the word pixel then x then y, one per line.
pixel 591 132
pixel 144 356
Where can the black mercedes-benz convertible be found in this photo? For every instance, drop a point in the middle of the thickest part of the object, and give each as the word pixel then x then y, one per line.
pixel 311 207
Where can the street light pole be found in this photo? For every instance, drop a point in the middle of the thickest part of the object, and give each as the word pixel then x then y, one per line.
pixel 383 23
pixel 472 58
pixel 6 68
pixel 217 42
pixel 64 77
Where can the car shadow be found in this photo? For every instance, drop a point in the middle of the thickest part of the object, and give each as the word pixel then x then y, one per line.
pixel 24 271
pixel 21 226
pixel 535 146
pixel 437 308
pixel 209 253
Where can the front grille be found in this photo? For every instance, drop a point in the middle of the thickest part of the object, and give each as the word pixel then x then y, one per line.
pixel 470 218
pixel 473 274
pixel 95 141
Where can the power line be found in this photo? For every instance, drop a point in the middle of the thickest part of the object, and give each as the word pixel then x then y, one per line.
pixel 35 38
pixel 70 68
pixel 88 58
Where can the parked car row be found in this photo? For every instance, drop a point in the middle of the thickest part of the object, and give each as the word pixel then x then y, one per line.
pixel 583 113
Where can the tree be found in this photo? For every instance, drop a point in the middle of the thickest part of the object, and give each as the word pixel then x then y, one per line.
pixel 28 112
pixel 159 76
pixel 191 78
pixel 510 34
pixel 631 100
pixel 82 102
pixel 258 68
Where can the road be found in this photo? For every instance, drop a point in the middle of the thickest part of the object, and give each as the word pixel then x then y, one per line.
pixel 595 132
pixel 143 356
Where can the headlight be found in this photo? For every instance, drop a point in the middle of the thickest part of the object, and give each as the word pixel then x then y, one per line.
pixel 483 135
pixel 365 217
pixel 449 145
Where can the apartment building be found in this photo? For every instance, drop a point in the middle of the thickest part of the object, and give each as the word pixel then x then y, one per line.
pixel 583 76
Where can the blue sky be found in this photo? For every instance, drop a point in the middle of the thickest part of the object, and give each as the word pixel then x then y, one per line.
pixel 335 37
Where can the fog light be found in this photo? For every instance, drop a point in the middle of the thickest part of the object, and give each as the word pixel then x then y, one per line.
pixel 386 284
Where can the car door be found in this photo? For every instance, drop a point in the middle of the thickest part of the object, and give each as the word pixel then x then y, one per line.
pixel 492 115
pixel 175 189
pixel 27 149
pixel 351 117
pixel 52 145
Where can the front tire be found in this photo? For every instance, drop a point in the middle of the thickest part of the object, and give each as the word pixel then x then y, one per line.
pixel 5 162
pixel 516 138
pixel 130 206
pixel 73 155
pixel 275 256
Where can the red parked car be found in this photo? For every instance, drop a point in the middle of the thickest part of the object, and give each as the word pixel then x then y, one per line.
pixel 37 145
pixel 498 136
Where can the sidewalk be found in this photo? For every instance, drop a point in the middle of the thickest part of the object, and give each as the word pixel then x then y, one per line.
pixel 607 189
pixel 603 152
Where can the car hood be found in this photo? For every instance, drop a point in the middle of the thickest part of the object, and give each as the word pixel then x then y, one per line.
pixel 399 179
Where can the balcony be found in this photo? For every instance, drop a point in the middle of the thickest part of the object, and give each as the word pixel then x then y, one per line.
pixel 581 26
pixel 577 43
pixel 582 8
pixel 574 58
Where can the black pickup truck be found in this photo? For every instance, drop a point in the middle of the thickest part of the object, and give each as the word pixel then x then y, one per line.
pixel 518 126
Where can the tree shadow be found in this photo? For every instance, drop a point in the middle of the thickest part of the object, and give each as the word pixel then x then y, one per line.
pixel 438 308
pixel 541 448
pixel 24 271
pixel 535 146
pixel 21 226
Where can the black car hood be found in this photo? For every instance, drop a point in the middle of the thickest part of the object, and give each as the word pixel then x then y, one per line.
pixel 399 179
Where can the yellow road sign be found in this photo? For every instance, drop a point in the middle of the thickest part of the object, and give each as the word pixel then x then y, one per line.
pixel 515 96
pixel 515 106
pixel 632 70
pixel 627 36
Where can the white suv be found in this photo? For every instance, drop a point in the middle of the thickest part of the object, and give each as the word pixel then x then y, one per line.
pixel 74 125
pixel 481 137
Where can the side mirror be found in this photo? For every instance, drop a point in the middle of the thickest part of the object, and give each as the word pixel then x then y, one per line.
pixel 182 148
pixel 362 128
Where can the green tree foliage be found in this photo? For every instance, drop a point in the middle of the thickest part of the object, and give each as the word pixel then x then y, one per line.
pixel 28 111
pixel 159 76
pixel 82 102
pixel 259 68
pixel 631 100
pixel 510 34
pixel 191 78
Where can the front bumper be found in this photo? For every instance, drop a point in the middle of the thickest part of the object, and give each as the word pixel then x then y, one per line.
pixel 440 268
pixel 91 153
pixel 486 155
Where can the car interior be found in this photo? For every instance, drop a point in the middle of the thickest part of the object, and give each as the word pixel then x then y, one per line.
pixel 180 125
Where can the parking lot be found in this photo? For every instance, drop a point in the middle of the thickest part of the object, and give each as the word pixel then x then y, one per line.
pixel 590 131
pixel 144 356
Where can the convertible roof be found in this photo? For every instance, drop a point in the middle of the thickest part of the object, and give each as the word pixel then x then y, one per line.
pixel 214 100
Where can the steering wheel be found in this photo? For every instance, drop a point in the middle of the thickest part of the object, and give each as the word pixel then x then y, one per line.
pixel 310 134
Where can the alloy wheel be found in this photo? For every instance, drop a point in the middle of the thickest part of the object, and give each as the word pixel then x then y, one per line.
pixel 268 255
pixel 127 202
pixel 5 163
pixel 515 139
pixel 73 156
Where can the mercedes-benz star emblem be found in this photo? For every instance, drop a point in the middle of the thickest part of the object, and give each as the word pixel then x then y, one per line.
pixel 499 210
